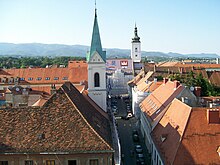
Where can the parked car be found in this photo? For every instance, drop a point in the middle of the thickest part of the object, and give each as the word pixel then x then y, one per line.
pixel 124 117
pixel 140 159
pixel 135 132
pixel 138 149
pixel 135 138
pixel 129 115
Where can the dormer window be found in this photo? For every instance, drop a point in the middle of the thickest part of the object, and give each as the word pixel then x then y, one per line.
pixel 22 79
pixel 38 78
pixel 65 78
pixel 30 78
pixel 56 78
pixel 47 78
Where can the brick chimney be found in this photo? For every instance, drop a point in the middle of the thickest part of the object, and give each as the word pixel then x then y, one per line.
pixel 197 91
pixel 68 84
pixel 52 89
pixel 165 80
pixel 176 84
pixel 213 116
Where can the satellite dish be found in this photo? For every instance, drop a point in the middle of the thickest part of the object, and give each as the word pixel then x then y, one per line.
pixel 192 88
pixel 17 89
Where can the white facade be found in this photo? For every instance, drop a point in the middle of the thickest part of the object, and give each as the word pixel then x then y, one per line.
pixel 136 52
pixel 98 93
pixel 137 98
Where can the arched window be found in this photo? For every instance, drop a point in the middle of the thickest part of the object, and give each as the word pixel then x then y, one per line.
pixel 96 80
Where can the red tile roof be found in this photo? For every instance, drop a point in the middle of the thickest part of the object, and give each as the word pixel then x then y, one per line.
pixel 150 87
pixel 214 77
pixel 200 142
pixel 190 139
pixel 75 73
pixel 66 123
pixel 157 101
pixel 168 133
pixel 136 79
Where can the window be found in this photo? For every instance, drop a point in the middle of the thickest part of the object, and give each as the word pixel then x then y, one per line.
pixel 30 78
pixel 71 162
pixel 29 162
pixel 47 78
pixel 136 49
pixel 96 80
pixel 22 79
pixel 56 78
pixel 50 162
pixel 157 159
pixel 65 78
pixel 94 162
pixel 3 162
pixel 39 78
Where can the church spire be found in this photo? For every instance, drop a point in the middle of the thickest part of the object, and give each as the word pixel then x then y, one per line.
pixel 136 38
pixel 96 45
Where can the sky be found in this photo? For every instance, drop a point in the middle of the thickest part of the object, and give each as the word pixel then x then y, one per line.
pixel 180 26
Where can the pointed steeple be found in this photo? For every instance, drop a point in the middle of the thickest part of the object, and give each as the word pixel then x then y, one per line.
pixel 96 44
pixel 136 38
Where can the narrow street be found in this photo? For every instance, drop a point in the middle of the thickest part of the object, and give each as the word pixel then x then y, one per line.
pixel 126 127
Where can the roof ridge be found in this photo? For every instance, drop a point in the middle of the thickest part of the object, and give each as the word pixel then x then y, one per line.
pixel 101 138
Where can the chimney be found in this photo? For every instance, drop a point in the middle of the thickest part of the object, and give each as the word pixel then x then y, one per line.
pixel 176 84
pixel 165 80
pixel 197 91
pixel 155 68
pixel 181 70
pixel 52 89
pixel 68 85
pixel 213 116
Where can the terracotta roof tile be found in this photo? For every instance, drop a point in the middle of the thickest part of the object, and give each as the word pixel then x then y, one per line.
pixel 66 123
pixel 200 142
pixel 76 73
pixel 136 79
pixel 214 77
pixel 168 133
pixel 157 101
pixel 150 87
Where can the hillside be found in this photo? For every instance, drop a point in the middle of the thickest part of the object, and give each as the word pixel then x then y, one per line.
pixel 38 49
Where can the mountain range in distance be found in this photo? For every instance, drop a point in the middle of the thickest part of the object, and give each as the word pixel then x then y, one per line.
pixel 52 50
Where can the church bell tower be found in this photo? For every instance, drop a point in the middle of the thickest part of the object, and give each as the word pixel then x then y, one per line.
pixel 136 47
pixel 96 60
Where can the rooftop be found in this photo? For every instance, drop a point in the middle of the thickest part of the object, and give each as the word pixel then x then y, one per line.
pixel 67 122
